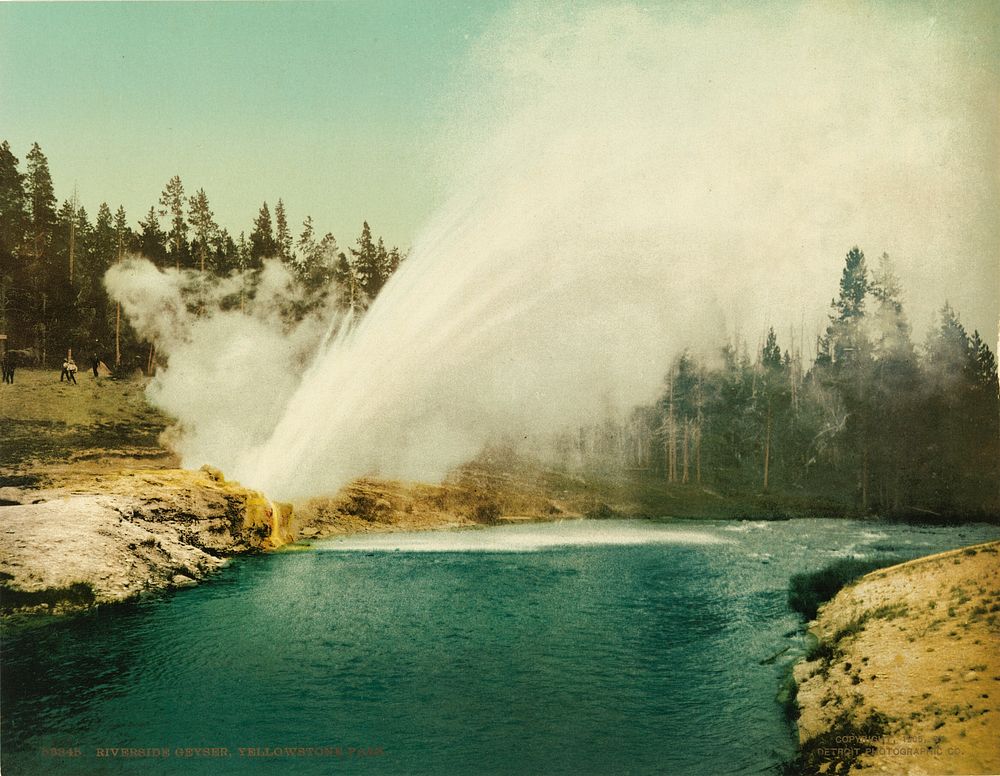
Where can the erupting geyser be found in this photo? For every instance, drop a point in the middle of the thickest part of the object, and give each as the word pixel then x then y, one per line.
pixel 637 184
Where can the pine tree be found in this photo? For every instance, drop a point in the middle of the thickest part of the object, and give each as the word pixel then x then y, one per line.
pixel 947 349
pixel 845 336
pixel 104 244
pixel 122 239
pixel 224 249
pixel 775 399
pixel 152 240
pixel 94 321
pixel 69 252
pixel 346 278
pixel 282 236
pixel 65 239
pixel 365 262
pixel 381 265
pixel 122 234
pixel 891 335
pixel 14 294
pixel 307 239
pixel 394 259
pixel 853 286
pixel 770 355
pixel 172 204
pixel 951 419
pixel 243 253
pixel 204 226
pixel 41 201
pixel 894 383
pixel 845 367
pixel 262 242
pixel 246 265
pixel 13 208
pixel 983 426
pixel 984 366
pixel 317 262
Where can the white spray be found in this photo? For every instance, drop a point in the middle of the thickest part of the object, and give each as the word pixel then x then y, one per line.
pixel 625 186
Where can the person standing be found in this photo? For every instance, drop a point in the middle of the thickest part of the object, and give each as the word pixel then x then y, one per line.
pixel 71 370
pixel 95 362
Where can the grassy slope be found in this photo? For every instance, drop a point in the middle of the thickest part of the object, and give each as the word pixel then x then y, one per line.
pixel 48 426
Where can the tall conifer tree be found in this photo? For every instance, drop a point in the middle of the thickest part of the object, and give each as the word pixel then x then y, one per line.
pixel 172 202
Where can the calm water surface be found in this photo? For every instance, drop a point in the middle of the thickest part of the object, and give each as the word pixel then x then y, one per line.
pixel 569 648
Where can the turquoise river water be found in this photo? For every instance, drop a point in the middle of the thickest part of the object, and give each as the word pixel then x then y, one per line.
pixel 566 648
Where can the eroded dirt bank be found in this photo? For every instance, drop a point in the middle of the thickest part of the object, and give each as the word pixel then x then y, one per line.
pixel 905 675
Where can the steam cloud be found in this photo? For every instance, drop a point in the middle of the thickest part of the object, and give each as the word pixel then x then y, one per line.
pixel 627 184
pixel 232 368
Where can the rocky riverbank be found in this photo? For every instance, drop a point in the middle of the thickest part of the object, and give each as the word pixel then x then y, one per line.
pixel 117 537
pixel 904 674
pixel 93 539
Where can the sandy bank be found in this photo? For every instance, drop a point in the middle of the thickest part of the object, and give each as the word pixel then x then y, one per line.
pixel 905 677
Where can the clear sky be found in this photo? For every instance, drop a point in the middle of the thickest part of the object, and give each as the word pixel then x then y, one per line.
pixel 331 106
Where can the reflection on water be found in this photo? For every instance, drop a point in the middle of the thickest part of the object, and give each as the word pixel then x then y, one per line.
pixel 571 648
pixel 526 538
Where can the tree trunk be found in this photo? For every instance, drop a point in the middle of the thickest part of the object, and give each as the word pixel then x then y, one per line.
pixel 118 335
pixel 684 477
pixel 864 479
pixel 118 314
pixel 671 437
pixel 767 447
pixel 45 339
pixel 697 453
pixel 72 244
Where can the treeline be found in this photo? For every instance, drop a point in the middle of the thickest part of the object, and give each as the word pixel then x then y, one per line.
pixel 53 258
pixel 875 425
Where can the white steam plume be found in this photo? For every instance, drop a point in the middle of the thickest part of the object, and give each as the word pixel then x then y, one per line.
pixel 231 371
pixel 628 183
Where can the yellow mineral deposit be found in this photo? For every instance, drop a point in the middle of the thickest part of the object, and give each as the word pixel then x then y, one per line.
pixel 281 524
pixel 272 520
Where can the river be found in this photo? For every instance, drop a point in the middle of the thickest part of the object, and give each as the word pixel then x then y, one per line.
pixel 579 647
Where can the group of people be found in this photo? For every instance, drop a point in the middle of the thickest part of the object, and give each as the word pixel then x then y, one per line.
pixel 69 370
pixel 8 362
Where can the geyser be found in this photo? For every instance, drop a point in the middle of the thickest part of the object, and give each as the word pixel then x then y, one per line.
pixel 627 184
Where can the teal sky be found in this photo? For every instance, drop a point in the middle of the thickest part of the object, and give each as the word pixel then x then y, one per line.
pixel 333 106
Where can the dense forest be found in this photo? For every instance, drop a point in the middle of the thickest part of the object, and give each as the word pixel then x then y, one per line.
pixel 53 258
pixel 877 424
